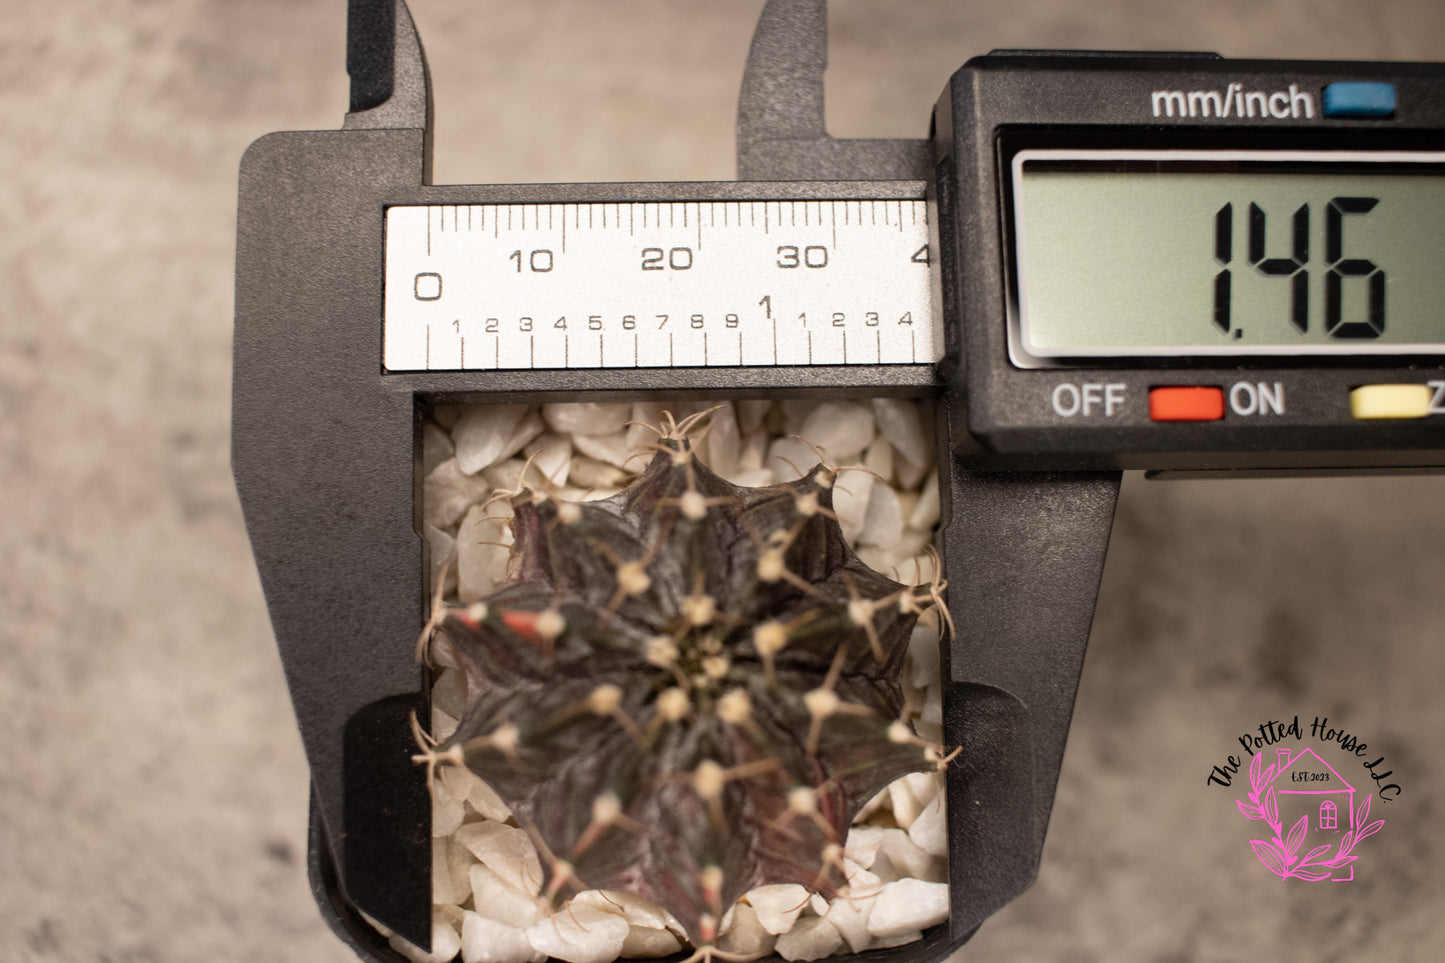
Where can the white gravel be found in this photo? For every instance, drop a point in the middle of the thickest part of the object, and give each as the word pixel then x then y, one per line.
pixel 486 872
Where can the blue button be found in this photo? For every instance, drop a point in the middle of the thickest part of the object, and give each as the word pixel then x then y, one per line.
pixel 1360 99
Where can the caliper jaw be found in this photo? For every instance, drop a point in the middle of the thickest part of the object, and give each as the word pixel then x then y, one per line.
pixel 324 454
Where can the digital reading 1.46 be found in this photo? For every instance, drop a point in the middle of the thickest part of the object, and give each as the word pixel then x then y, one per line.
pixel 1176 253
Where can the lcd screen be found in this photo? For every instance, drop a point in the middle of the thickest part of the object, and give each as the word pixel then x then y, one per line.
pixel 1175 253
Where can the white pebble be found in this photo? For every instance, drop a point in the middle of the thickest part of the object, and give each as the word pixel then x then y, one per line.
pixel 910 543
pixel 611 448
pixel 505 475
pixel 923 656
pixel 497 900
pixel 444 887
pixel 778 905
pixel 883 520
pixel 447 814
pixel 751 413
pixel 790 458
pixel 507 851
pixel 817 904
pixel 811 939
pixel 925 514
pixel 586 417
pixel 631 907
pixel 755 477
pixel 442 725
pixel 642 433
pixel 448 492
pixel 904 856
pixel 908 905
pixel 459 865
pixel 928 729
pixel 919 569
pixel 485 801
pixel 745 934
pixel 879 458
pixel 897 939
pixel 482 433
pixel 449 693
pixel 489 941
pixel 900 422
pixel 723 443
pixel 841 428
pixel 445 942
pixel 645 941
pixel 876 559
pixel 441 652
pixel 906 805
pixel 933 704
pixel 910 474
pixel 581 934
pixel 551 459
pixel 924 785
pixel 929 831
pixel 456 781
pixel 860 881
pixel 872 806
pixel 754 449
pixel 589 473
pixel 528 428
pixel 482 551
pixel 441 546
pixel 436 447
pixel 849 916
pixel 850 501
pixel 863 841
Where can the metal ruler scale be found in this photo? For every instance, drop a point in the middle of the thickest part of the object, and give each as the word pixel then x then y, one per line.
pixel 659 284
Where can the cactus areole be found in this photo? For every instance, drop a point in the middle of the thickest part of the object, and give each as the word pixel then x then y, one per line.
pixel 688 689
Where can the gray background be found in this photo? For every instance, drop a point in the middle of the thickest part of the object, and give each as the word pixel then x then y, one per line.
pixel 152 788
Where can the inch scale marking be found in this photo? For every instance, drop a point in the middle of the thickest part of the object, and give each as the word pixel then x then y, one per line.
pixel 709 283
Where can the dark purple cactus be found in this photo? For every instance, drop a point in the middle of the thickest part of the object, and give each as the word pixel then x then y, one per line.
pixel 689 689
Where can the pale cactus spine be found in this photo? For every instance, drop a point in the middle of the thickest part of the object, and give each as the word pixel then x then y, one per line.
pixel 688 689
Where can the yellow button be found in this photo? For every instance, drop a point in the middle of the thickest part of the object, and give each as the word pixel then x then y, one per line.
pixel 1390 401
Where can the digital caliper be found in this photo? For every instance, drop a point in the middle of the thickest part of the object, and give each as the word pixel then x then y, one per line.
pixel 1097 262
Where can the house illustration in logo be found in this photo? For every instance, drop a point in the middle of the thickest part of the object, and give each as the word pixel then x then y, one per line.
pixel 1307 786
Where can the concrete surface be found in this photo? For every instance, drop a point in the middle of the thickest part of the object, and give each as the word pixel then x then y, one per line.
pixel 152 788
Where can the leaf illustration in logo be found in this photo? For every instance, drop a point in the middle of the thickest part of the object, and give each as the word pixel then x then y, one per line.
pixel 1248 811
pixel 1313 875
pixel 1296 836
pixel 1315 853
pixel 1370 830
pixel 1268 854
pixel 1271 807
pixel 1362 812
pixel 1256 773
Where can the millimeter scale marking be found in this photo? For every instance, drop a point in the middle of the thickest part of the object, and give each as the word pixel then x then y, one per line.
pixel 705 283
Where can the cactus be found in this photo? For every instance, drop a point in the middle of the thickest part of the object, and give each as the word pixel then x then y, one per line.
pixel 688 689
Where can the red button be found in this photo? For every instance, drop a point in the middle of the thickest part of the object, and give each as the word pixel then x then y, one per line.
pixel 1186 403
